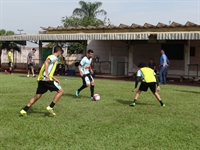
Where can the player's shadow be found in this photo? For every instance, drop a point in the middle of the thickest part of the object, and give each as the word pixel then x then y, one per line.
pixel 124 102
pixel 186 91
pixel 34 111
pixel 73 95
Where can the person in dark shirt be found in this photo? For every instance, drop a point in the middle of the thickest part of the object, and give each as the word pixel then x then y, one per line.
pixel 152 65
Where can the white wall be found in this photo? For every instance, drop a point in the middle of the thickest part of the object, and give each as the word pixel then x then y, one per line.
pixel 142 53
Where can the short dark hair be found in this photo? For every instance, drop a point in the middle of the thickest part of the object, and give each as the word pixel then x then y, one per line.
pixel 57 48
pixel 90 51
pixel 9 49
pixel 141 65
pixel 34 49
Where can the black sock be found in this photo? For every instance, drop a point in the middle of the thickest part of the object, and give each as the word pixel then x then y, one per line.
pixel 134 100
pixel 26 108
pixel 161 102
pixel 52 104
pixel 92 90
pixel 82 87
pixel 10 71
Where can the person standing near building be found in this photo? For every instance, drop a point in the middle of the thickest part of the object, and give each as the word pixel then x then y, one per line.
pixel 163 67
pixel 149 80
pixel 85 71
pixel 31 62
pixel 152 65
pixel 46 81
pixel 60 69
pixel 10 61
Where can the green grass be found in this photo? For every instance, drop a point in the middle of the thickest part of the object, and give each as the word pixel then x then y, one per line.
pixel 108 124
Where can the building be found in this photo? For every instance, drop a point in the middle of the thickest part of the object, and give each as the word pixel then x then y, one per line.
pixel 118 49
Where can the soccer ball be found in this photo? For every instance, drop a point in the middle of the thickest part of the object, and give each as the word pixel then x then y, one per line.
pixel 96 97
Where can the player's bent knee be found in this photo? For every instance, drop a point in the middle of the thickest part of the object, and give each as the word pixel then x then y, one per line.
pixel 61 91
pixel 87 85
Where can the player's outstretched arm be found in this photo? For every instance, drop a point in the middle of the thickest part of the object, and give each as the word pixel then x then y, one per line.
pixel 136 83
pixel 157 82
pixel 79 69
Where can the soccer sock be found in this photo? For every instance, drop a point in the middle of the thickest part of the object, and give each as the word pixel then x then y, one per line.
pixel 82 87
pixel 52 104
pixel 161 102
pixel 26 108
pixel 92 90
pixel 10 71
pixel 134 100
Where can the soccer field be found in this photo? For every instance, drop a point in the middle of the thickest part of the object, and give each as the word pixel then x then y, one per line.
pixel 108 124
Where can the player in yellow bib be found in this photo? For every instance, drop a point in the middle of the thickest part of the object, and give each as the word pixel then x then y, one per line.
pixel 149 80
pixel 46 81
pixel 10 61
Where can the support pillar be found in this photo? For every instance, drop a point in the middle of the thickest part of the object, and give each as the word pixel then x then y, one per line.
pixel 186 57
pixel 40 54
pixel 130 60
pixel 110 57
pixel 86 43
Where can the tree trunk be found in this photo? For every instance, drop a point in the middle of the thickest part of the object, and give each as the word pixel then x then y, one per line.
pixel 0 56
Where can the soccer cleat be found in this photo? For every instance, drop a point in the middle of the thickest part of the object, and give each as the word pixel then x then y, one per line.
pixel 132 104
pixel 28 76
pixel 77 93
pixel 91 97
pixel 163 105
pixel 23 112
pixel 6 71
pixel 50 110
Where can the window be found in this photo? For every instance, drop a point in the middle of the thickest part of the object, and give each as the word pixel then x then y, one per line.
pixel 192 51
pixel 174 51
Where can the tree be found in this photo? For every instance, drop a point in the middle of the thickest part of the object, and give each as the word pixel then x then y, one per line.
pixel 85 15
pixel 7 45
pixel 89 10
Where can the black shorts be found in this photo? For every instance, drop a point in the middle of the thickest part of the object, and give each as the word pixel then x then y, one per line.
pixel 144 86
pixel 10 64
pixel 30 66
pixel 87 78
pixel 44 86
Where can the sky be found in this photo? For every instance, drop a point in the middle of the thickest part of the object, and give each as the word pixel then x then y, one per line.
pixel 30 15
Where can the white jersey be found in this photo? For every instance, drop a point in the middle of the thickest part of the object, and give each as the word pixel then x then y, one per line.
pixel 85 65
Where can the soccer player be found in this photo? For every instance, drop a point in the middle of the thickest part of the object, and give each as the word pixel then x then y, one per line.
pixel 149 80
pixel 46 81
pixel 31 62
pixel 85 71
pixel 10 61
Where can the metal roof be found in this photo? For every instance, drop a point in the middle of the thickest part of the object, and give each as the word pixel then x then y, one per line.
pixel 104 36
pixel 179 36
pixel 80 36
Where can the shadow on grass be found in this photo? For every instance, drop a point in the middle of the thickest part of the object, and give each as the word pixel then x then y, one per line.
pixel 195 92
pixel 45 113
pixel 73 96
pixel 124 102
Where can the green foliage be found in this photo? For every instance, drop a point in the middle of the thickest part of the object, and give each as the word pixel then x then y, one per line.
pixel 84 16
pixel 84 21
pixel 8 45
pixel 90 9
pixel 75 46
pixel 108 124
